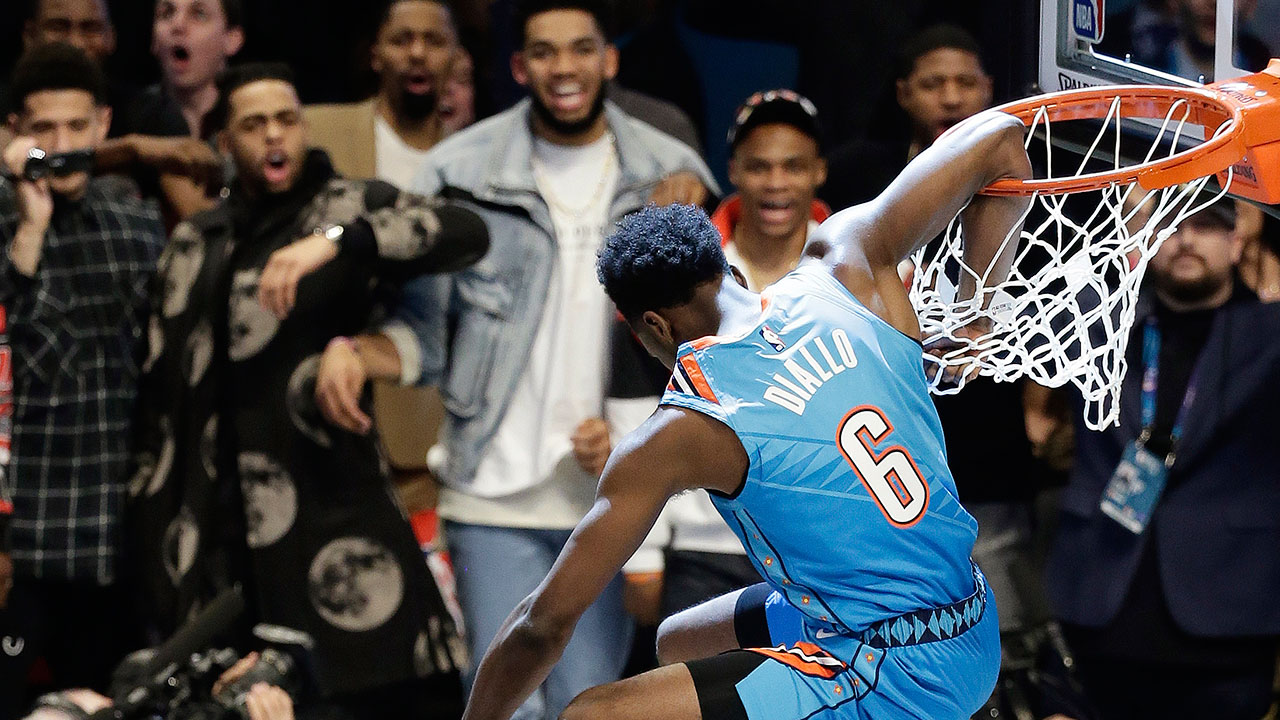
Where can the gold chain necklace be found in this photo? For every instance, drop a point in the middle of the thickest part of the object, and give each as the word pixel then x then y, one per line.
pixel 548 194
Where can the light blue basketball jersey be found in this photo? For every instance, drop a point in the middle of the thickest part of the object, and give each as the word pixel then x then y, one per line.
pixel 848 508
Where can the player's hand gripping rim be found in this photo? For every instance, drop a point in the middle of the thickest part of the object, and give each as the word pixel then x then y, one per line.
pixel 952 361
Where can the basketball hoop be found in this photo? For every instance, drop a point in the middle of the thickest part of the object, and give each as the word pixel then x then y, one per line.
pixel 1064 313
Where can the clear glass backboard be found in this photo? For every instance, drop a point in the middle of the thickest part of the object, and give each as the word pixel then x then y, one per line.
pixel 1084 43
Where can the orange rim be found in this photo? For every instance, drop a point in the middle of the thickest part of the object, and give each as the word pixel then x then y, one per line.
pixel 1204 107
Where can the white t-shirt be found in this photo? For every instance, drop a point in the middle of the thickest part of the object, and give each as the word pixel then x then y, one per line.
pixel 528 476
pixel 398 162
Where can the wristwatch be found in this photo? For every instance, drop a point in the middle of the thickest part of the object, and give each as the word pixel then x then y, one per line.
pixel 332 232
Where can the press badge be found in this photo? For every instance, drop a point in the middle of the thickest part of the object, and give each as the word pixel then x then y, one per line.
pixel 1135 488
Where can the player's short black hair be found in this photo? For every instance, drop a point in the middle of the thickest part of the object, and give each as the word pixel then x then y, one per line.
pixel 658 256
pixel 57 66
pixel 385 14
pixel 933 38
pixel 601 10
pixel 236 77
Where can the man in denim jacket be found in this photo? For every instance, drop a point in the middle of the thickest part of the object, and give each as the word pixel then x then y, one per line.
pixel 524 344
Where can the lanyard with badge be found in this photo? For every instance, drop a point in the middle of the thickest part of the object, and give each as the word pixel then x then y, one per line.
pixel 1139 479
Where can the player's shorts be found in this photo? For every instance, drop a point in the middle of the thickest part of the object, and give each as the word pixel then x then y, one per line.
pixel 938 664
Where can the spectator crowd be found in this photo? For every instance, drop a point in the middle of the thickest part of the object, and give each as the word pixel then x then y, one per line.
pixel 350 361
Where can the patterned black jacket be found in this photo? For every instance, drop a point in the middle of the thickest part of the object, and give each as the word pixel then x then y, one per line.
pixel 240 479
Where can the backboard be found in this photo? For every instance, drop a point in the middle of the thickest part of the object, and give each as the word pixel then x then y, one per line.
pixel 1090 43
pixel 1084 43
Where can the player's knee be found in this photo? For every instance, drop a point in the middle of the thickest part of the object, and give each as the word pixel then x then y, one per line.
pixel 592 704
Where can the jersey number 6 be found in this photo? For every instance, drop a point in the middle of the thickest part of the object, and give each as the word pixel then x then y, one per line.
pixel 891 476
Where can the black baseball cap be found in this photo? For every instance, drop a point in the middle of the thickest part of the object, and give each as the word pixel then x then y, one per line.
pixel 774 106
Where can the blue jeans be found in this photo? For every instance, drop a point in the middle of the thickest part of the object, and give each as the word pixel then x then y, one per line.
pixel 496 568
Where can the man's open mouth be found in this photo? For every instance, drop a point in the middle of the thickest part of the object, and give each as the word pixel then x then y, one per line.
pixel 776 211
pixel 418 83
pixel 568 96
pixel 275 169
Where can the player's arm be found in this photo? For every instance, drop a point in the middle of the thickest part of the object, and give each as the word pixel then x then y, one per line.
pixel 674 450
pixel 866 242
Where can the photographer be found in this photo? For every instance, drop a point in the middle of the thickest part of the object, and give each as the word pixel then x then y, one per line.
pixel 190 676
pixel 261 701
pixel 79 253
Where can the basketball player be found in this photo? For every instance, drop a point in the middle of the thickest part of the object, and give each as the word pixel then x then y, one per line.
pixel 804 411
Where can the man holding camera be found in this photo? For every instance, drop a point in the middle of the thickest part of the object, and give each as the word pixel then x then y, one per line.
pixel 182 172
pixel 78 256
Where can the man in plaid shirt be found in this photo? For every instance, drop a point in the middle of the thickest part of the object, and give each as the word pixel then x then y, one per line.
pixel 74 278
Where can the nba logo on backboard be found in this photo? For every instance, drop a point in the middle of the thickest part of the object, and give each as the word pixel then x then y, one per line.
pixel 1086 18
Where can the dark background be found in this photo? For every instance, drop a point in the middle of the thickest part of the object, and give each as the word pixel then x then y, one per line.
pixel 841 53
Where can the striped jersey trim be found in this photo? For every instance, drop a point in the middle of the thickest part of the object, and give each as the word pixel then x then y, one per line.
pixel 687 378
pixel 804 657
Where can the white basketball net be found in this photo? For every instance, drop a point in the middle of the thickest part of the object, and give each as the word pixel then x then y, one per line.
pixel 1064 313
